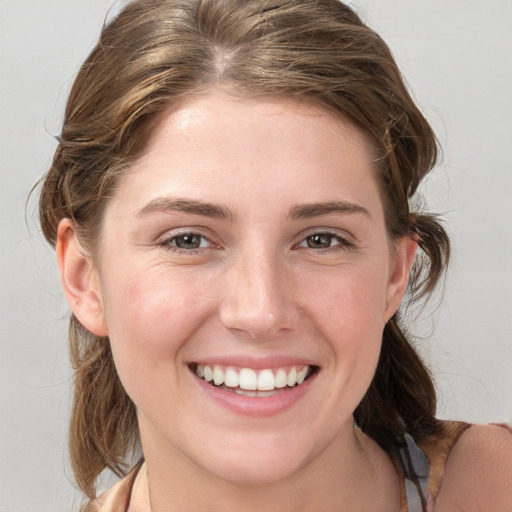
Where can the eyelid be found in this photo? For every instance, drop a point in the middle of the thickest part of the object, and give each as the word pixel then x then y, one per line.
pixel 165 239
pixel 346 240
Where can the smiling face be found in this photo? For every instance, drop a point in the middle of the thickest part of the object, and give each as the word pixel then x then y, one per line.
pixel 247 247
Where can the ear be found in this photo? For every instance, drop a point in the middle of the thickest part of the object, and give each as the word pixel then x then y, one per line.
pixel 404 252
pixel 79 279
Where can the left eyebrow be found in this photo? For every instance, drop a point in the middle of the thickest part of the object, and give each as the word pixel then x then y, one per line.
pixel 190 206
pixel 307 211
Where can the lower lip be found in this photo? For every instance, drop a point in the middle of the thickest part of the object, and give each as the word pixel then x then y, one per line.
pixel 264 406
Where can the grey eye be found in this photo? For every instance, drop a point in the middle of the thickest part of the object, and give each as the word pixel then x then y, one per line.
pixel 187 241
pixel 319 241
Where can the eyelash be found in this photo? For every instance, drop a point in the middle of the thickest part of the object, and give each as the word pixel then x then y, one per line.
pixel 342 242
pixel 171 244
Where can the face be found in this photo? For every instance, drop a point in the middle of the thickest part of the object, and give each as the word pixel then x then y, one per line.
pixel 248 248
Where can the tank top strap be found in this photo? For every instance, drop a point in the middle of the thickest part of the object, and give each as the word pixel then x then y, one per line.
pixel 412 460
pixel 427 461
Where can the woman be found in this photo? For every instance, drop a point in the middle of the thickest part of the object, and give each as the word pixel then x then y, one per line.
pixel 229 205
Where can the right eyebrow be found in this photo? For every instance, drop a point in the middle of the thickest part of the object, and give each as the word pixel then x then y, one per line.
pixel 183 205
pixel 310 210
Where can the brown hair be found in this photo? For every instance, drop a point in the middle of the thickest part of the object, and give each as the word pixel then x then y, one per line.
pixel 156 52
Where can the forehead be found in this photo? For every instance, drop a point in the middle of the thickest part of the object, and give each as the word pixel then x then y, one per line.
pixel 258 147
pixel 217 115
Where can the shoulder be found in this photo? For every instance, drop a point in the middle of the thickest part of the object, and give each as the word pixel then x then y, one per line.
pixel 118 497
pixel 478 472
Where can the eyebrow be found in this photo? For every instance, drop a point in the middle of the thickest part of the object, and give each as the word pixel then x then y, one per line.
pixel 216 211
pixel 171 205
pixel 307 211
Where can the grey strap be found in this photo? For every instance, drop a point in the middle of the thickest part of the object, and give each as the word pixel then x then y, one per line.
pixel 414 461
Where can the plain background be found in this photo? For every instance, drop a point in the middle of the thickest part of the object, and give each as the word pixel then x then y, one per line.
pixel 456 58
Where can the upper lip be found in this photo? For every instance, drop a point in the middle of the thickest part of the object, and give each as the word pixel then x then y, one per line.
pixel 256 363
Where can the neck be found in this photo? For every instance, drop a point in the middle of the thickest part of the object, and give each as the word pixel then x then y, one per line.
pixel 352 473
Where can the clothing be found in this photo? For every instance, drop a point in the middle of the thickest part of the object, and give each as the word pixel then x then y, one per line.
pixel 427 461
pixel 428 464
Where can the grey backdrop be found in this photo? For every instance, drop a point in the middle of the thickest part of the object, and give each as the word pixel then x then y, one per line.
pixel 456 57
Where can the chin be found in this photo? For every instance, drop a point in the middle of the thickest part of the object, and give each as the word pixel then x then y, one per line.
pixel 264 470
pixel 261 460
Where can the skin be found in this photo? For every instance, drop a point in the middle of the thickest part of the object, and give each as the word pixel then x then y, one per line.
pixel 257 287
pixel 478 472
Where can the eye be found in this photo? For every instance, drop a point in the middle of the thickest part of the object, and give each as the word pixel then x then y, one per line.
pixel 187 242
pixel 324 241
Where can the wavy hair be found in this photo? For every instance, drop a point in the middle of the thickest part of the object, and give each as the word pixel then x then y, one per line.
pixel 157 52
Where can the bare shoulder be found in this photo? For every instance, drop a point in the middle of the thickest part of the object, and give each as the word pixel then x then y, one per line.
pixel 478 473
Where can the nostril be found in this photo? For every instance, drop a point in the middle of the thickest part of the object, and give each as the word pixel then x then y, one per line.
pixel 255 321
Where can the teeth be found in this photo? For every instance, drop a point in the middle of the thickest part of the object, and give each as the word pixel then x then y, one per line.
pixel 231 378
pixel 292 377
pixel 301 375
pixel 254 393
pixel 281 378
pixel 266 380
pixel 247 379
pixel 218 376
pixel 208 374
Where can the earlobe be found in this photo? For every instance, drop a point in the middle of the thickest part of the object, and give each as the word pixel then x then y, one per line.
pixel 79 280
pixel 405 250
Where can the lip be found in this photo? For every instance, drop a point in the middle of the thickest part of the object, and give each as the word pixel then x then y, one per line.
pixel 261 407
pixel 259 363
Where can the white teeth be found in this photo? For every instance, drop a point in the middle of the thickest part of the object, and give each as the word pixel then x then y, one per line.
pixel 254 393
pixel 231 378
pixel 281 378
pixel 218 376
pixel 208 374
pixel 292 377
pixel 247 379
pixel 301 375
pixel 266 380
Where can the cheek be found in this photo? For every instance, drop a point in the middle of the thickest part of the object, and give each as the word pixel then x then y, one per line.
pixel 150 317
pixel 354 295
pixel 349 308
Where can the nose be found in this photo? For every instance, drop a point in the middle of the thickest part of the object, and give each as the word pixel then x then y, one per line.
pixel 257 298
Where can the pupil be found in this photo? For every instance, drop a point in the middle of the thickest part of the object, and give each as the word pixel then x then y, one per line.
pixel 188 241
pixel 319 241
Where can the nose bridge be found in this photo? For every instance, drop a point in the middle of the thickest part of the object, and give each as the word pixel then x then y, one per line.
pixel 255 298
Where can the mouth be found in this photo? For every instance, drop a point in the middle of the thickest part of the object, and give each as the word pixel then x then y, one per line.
pixel 254 383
